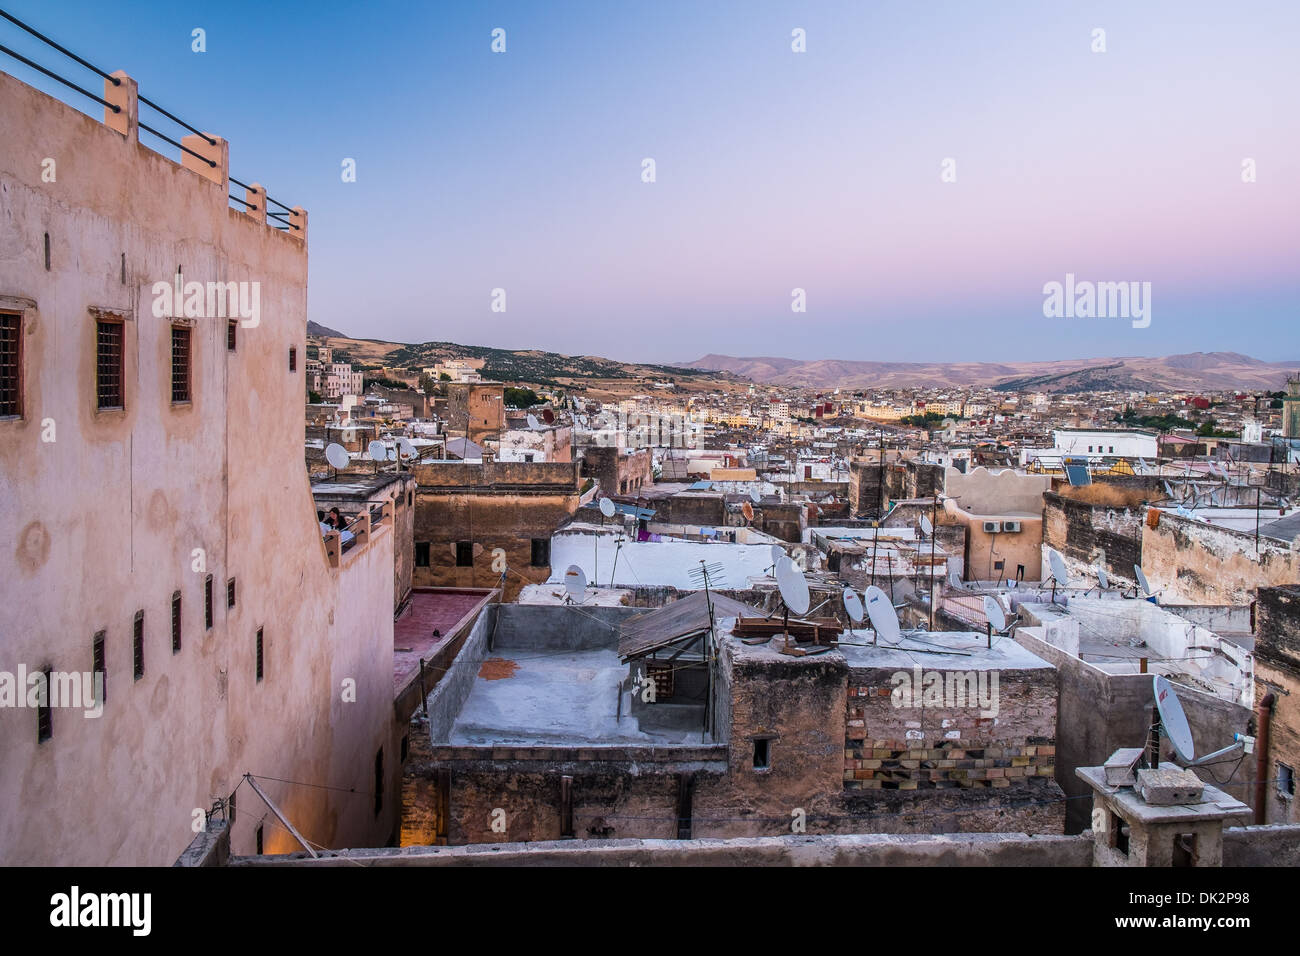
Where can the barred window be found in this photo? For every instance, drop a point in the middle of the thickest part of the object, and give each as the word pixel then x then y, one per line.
pixel 230 336
pixel 11 380
pixel 108 364
pixel 180 364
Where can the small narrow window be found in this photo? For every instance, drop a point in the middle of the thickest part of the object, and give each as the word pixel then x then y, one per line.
pixel 231 804
pixel 207 603
pixel 11 380
pixel 541 552
pixel 45 711
pixel 293 360
pixel 421 554
pixel 230 336
pixel 464 554
pixel 108 364
pixel 123 277
pixel 176 622
pixel 47 252
pixel 180 364
pixel 406 747
pixel 97 665
pixel 410 498
pixel 762 753
pixel 230 593
pixel 137 644
pixel 260 671
pixel 379 781
pixel 1285 780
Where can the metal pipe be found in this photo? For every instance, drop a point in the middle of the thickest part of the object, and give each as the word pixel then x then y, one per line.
pixel 68 53
pixel 54 76
pixel 1263 716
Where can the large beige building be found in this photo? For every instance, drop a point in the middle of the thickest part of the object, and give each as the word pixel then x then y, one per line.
pixel 160 524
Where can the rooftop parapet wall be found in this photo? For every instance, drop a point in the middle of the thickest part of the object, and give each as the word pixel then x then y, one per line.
pixel 487 476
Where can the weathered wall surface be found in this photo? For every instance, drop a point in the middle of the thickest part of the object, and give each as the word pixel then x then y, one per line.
pixel 1089 533
pixel 1196 563
pixel 1002 492
pixel 105 522
pixel 1277 671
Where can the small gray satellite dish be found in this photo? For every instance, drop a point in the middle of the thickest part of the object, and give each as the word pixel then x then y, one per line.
pixel 405 446
pixel 778 553
pixel 1103 578
pixel 377 450
pixel 853 606
pixel 1059 574
pixel 794 588
pixel 575 583
pixel 337 456
pixel 993 613
pixel 926 528
pixel 1143 584
pixel 755 497
pixel 954 579
pixel 1173 720
pixel 1169 491
pixel 532 422
pixel 884 619
pixel 607 507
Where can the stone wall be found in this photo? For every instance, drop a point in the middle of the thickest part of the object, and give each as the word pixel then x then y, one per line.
pixel 1195 563
pixel 1090 532
pixel 1277 671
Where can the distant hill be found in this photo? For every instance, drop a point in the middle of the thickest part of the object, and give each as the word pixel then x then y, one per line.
pixel 1209 371
pixel 315 328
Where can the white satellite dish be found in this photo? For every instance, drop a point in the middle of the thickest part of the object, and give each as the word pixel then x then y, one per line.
pixel 778 553
pixel 1143 584
pixel 755 497
pixel 884 619
pixel 794 588
pixel 1060 575
pixel 337 456
pixel 532 422
pixel 1172 719
pixel 1103 578
pixel 926 528
pixel 405 446
pixel 575 583
pixel 853 606
pixel 378 452
pixel 954 579
pixel 607 507
pixel 993 612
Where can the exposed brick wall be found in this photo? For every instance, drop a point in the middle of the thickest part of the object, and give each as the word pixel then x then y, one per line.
pixel 1078 529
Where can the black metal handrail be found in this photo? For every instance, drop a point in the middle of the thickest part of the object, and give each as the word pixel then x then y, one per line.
pixel 116 81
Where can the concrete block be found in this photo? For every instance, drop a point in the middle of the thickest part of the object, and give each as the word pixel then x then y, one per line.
pixel 1169 786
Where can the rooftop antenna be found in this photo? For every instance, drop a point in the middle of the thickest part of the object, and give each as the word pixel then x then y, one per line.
pixel 995 619
pixel 705 575
pixel 1170 720
pixel 618 546
pixel 337 456
pixel 405 447
pixel 853 607
pixel 1060 576
pixel 378 452
pixel 884 617
pixel 1103 579
pixel 575 585
pixel 794 593
pixel 778 553
pixel 927 526
pixel 1144 586
pixel 606 511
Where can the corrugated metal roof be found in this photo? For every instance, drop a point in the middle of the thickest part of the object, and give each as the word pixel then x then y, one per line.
pixel 688 616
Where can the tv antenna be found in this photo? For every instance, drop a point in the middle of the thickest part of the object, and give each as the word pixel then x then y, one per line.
pixel 606 511
pixel 1171 722
pixel 337 456
pixel 1144 586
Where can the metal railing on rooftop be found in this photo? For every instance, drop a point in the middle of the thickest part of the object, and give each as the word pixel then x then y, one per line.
pixel 281 220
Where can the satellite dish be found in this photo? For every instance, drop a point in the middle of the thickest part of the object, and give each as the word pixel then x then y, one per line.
pixel 532 422
pixel 1169 491
pixel 747 510
pixel 607 507
pixel 575 583
pixel 377 451
pixel 405 447
pixel 794 588
pixel 954 579
pixel 1102 577
pixel 778 553
pixel 1173 721
pixel 1059 574
pixel 853 606
pixel 1143 584
pixel 994 613
pixel 337 456
pixel 755 497
pixel 926 527
pixel 884 619
pixel 548 416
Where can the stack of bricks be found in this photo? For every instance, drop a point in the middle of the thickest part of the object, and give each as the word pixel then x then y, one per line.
pixel 889 747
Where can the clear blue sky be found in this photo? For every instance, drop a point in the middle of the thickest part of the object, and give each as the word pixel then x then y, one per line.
pixel 775 170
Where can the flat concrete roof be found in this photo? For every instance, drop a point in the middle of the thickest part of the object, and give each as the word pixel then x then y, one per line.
pixel 536 697
pixel 430 609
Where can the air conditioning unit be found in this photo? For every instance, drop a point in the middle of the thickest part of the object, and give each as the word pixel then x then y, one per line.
pixel 1011 526
pixel 992 527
